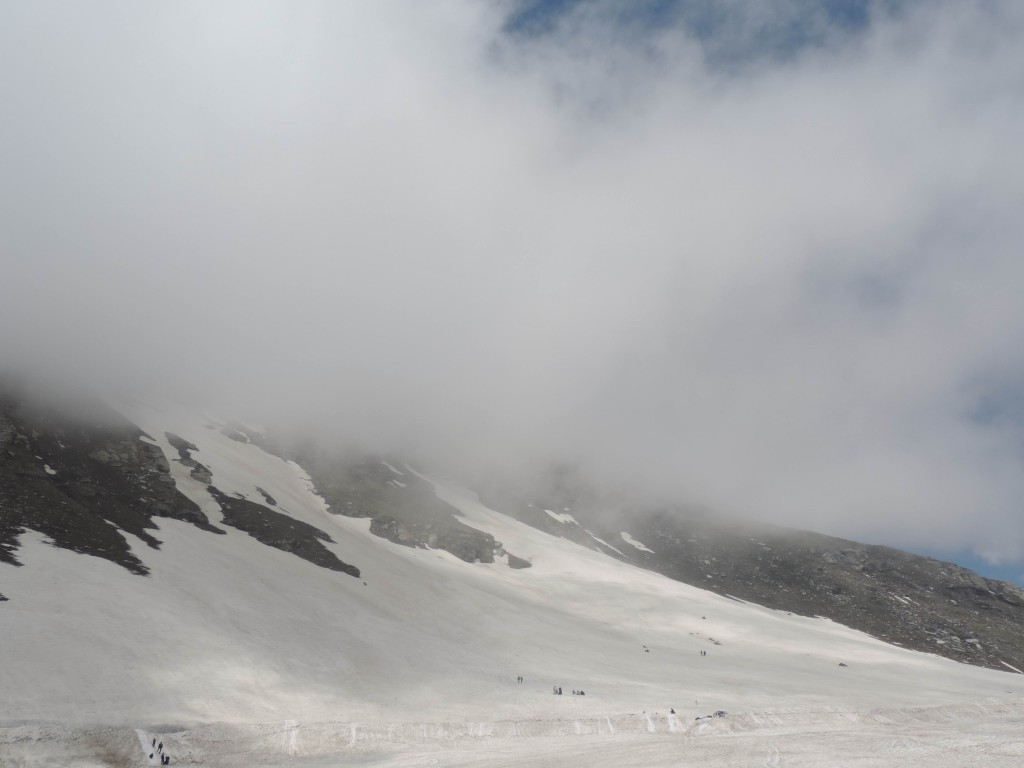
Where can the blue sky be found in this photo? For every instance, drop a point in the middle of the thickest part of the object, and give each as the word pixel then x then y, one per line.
pixel 736 32
pixel 1011 572
pixel 702 16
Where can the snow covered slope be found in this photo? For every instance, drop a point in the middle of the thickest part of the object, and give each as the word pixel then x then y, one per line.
pixel 226 630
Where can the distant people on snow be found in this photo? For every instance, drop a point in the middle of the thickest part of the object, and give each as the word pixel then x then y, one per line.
pixel 159 752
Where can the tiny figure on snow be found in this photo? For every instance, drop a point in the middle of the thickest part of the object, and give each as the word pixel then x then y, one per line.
pixel 672 711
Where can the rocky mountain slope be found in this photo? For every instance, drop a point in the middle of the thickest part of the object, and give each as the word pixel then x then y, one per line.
pixel 905 599
pixel 84 476
pixel 169 578
pixel 89 476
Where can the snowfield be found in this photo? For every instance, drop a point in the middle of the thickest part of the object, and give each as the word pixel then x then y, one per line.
pixel 633 542
pixel 235 653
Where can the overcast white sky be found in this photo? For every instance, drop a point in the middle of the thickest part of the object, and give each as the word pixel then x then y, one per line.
pixel 785 284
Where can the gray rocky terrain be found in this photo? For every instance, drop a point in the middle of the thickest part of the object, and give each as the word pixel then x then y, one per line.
pixel 402 506
pixel 82 475
pixel 906 599
pixel 88 476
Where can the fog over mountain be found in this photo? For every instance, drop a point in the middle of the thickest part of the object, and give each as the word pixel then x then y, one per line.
pixel 776 275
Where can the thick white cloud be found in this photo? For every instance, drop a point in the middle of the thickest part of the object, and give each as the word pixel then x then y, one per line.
pixel 788 290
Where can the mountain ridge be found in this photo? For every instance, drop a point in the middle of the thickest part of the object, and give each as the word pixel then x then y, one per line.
pixel 86 483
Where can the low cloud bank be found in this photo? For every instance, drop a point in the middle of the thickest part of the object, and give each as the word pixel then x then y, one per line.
pixel 788 290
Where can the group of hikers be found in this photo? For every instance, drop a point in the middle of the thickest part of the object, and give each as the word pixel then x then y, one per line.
pixel 557 690
pixel 159 752
pixel 648 650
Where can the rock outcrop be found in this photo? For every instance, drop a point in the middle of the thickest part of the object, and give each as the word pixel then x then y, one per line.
pixel 403 506
pixel 81 480
pixel 905 599
pixel 84 476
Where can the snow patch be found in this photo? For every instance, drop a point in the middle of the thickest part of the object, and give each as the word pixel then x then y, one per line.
pixel 605 543
pixel 562 517
pixel 630 540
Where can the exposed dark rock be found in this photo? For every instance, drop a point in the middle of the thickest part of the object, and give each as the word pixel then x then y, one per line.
pixel 82 479
pixel 183 447
pixel 280 531
pixel 201 473
pixel 81 482
pixel 913 601
pixel 404 507
pixel 234 434
pixel 452 536
pixel 267 497
pixel 917 602
pixel 517 562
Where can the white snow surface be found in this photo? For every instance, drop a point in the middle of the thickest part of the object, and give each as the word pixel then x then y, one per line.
pixel 259 657
pixel 604 543
pixel 562 517
pixel 630 540
pixel 393 469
